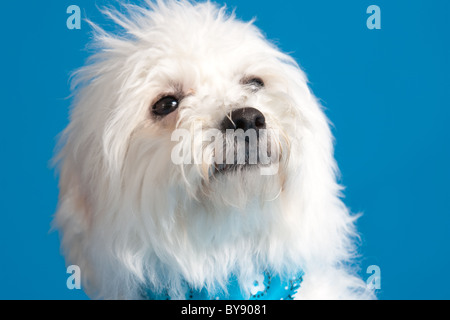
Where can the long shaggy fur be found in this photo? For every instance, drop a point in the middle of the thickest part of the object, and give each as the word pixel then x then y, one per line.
pixel 132 219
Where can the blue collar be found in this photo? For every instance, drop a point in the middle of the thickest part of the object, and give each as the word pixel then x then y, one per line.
pixel 265 287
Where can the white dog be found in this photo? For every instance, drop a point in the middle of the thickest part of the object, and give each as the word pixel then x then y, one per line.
pixel 147 213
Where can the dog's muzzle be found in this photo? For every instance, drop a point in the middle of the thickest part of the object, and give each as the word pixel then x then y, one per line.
pixel 242 129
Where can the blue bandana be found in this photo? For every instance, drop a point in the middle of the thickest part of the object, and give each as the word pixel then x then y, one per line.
pixel 265 287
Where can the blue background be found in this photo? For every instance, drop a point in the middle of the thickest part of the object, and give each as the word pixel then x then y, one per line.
pixel 386 91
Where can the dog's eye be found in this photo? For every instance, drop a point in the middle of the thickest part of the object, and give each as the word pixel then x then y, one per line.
pixel 165 106
pixel 254 83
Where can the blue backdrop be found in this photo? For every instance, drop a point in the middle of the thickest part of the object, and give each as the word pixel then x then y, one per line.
pixel 386 91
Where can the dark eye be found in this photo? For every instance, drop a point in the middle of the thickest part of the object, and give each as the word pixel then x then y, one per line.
pixel 254 83
pixel 165 106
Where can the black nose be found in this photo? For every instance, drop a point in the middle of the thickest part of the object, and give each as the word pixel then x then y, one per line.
pixel 245 119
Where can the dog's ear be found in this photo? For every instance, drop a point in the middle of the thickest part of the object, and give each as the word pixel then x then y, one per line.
pixel 73 214
pixel 73 220
pixel 73 199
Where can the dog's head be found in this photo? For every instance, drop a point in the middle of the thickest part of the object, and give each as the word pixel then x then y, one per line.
pixel 194 142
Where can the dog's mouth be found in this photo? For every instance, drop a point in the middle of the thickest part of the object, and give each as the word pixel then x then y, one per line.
pixel 238 161
pixel 218 169
pixel 245 155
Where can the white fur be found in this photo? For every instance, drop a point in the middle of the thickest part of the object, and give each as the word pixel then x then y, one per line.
pixel 132 219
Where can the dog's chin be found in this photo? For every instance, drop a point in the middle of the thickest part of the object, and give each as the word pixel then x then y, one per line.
pixel 239 185
pixel 218 170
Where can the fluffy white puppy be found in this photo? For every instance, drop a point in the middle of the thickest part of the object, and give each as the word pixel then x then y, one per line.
pixel 147 213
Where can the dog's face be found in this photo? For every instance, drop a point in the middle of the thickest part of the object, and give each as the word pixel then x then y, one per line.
pixel 191 88
pixel 196 144
pixel 194 110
